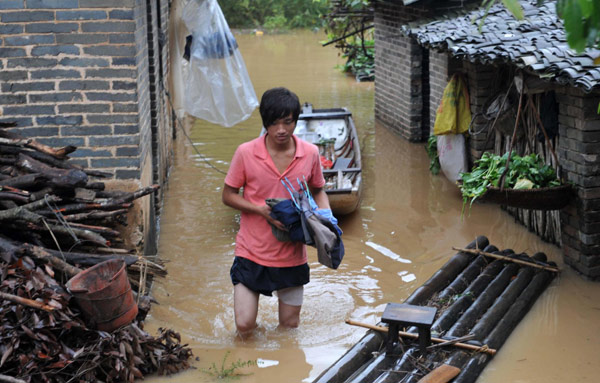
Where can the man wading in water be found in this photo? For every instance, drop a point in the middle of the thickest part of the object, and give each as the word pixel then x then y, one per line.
pixel 263 264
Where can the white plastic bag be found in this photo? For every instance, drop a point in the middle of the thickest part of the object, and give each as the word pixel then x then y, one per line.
pixel 217 86
pixel 453 155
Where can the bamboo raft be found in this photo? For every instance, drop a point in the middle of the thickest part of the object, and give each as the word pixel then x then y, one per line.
pixel 481 294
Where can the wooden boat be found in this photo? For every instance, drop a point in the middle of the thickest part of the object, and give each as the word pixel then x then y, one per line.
pixel 333 131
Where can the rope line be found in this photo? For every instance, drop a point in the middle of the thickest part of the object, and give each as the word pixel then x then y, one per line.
pixel 202 156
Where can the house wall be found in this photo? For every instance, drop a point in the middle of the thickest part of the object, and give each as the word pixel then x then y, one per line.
pixel 579 152
pixel 87 73
pixel 406 99
pixel 398 73
pixel 577 227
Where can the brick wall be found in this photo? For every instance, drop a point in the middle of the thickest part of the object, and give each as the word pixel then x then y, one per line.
pixel 479 82
pixel 86 73
pixel 398 73
pixel 579 152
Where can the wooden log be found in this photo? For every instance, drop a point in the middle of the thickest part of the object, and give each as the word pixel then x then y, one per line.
pixel 45 158
pixel 483 302
pixel 14 141
pixel 25 181
pixel 518 309
pixel 441 374
pixel 59 264
pixel 7 204
pixel 446 274
pixel 68 232
pixel 114 194
pixel 399 369
pixel 140 193
pixel 10 379
pixel 58 153
pixel 62 178
pixel 97 173
pixel 80 207
pixel 38 195
pixel 26 302
pixel 15 190
pixel 111 250
pixel 32 206
pixel 94 214
pixel 464 279
pixel 8 250
pixel 95 186
pixel 8 124
pixel 509 321
pixel 408 335
pixel 510 259
pixel 22 213
pixel 452 313
pixel 13 197
pixel 451 342
pixel 6 170
pixel 5 160
pixel 369 372
pixel 86 259
pixel 96 229
pixel 493 315
pixel 355 357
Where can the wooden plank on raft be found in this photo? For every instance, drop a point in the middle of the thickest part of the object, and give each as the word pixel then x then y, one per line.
pixel 441 374
pixel 509 259
pixel 486 350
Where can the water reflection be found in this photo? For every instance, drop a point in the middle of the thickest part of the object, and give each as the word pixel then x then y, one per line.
pixel 402 233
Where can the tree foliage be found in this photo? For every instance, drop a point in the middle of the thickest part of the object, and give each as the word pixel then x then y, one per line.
pixel 274 14
pixel 349 27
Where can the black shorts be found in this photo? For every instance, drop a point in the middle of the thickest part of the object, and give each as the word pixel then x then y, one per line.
pixel 264 280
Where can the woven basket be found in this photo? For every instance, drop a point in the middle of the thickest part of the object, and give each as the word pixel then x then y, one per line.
pixel 554 198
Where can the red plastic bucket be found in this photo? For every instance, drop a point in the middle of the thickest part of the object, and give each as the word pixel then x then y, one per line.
pixel 104 295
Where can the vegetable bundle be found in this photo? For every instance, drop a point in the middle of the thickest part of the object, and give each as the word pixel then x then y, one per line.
pixel 527 172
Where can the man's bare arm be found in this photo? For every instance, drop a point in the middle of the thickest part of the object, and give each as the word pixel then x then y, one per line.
pixel 320 198
pixel 232 198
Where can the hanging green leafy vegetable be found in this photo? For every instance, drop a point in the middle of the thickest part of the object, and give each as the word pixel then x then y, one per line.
pixel 527 172
pixel 434 159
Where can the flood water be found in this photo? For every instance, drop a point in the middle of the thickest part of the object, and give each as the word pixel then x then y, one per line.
pixel 402 233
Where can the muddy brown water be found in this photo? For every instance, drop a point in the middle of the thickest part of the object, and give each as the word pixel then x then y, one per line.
pixel 402 233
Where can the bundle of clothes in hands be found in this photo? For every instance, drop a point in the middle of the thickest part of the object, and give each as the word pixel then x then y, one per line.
pixel 308 224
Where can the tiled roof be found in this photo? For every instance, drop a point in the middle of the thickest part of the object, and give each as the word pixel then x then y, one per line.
pixel 537 43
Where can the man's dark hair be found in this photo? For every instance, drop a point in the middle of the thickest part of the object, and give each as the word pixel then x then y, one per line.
pixel 277 103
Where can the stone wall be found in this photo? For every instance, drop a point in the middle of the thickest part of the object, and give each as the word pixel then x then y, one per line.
pixel 88 73
pixel 579 151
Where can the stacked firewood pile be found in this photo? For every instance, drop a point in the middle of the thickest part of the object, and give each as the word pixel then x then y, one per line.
pixel 55 222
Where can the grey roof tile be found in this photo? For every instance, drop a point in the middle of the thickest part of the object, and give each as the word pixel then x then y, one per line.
pixel 537 42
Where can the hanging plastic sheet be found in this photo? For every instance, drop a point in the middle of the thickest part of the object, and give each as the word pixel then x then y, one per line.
pixel 217 86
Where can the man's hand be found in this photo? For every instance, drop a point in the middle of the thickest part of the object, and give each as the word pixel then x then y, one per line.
pixel 265 211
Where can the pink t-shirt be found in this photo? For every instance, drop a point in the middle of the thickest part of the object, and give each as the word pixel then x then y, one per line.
pixel 253 169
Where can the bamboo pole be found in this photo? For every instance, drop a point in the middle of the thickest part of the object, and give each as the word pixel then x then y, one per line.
pixel 489 351
pixel 26 302
pixel 509 259
pixel 451 342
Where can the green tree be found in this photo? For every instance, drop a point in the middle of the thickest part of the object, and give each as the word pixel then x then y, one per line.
pixel 274 14
pixel 349 27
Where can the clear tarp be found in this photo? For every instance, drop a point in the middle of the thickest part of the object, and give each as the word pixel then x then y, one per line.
pixel 215 83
